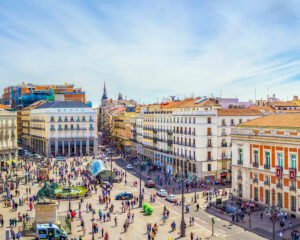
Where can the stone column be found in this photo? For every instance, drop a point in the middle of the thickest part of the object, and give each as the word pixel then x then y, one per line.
pixel 63 147
pixel 88 146
pixel 80 147
pixel 56 147
pixel 69 148
pixel 95 147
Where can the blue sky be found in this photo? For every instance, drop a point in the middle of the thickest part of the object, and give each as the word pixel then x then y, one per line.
pixel 152 49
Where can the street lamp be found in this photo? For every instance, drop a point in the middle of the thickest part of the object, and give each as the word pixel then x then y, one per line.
pixel 182 225
pixel 273 208
pixel 111 178
pixel 93 219
pixel 140 199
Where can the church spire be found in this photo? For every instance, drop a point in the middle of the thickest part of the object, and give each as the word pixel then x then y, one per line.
pixel 104 96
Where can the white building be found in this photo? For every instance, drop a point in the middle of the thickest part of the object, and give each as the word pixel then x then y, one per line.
pixel 64 128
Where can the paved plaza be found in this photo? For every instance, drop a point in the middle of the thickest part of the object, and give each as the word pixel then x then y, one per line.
pixel 137 230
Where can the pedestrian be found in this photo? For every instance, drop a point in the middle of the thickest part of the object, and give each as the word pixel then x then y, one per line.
pixel 192 236
pixel 261 216
pixel 116 221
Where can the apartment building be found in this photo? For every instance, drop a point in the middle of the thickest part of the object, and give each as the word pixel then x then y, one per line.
pixel 266 161
pixel 8 138
pixel 191 136
pixel 63 128
pixel 23 95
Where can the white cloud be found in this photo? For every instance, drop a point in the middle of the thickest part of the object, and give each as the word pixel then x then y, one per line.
pixel 151 49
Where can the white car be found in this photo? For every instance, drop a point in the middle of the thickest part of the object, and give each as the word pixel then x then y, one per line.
pixel 162 193
pixel 129 166
pixel 171 198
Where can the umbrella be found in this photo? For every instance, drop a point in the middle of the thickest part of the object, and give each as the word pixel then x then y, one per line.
pixel 73 214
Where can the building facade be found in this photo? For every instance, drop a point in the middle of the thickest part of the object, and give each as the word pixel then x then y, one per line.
pixel 266 161
pixel 8 138
pixel 190 137
pixel 63 128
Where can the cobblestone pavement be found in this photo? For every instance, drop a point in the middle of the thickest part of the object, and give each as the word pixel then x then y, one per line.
pixel 137 230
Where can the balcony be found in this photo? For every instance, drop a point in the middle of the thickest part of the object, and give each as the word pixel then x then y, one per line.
pixel 240 177
pixel 209 145
pixel 255 164
pixel 223 134
pixel 59 120
pixel 170 142
pixel 91 120
pixel 267 166
pixel 240 162
pixel 66 120
pixel 83 120
pixel 209 159
pixel 71 120
pixel 255 180
pixel 279 185
pixel 209 134
pixel 91 128
pixel 60 129
pixel 224 145
pixel 292 188
pixel 77 120
pixel 52 129
pixel 52 120
pixel 267 182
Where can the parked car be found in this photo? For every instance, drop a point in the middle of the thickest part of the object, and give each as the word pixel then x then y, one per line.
pixel 106 185
pixel 162 193
pixel 171 198
pixel 129 166
pixel 124 196
pixel 150 184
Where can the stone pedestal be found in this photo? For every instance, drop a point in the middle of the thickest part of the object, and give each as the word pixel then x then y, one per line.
pixel 46 212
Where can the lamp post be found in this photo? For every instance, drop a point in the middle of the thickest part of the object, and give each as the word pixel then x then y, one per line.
pixel 93 232
pixel 111 178
pixel 273 208
pixel 140 199
pixel 182 225
pixel 69 196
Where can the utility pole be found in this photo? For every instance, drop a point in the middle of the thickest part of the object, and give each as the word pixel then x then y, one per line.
pixel 212 226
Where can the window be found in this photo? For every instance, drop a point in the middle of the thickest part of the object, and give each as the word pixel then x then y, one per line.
pixel 293 203
pixel 59 119
pixel 267 159
pixel 72 119
pixel 240 155
pixel 240 121
pixel 52 119
pixel 223 122
pixel 255 194
pixel 208 131
pixel 59 126
pixel 280 159
pixel 83 118
pixel 52 127
pixel 293 161
pixel 267 196
pixel 223 132
pixel 66 126
pixel 232 122
pixel 209 120
pixel 256 157
pixel 72 127
pixel 279 199
pixel 66 118
pixel 208 142
pixel 208 167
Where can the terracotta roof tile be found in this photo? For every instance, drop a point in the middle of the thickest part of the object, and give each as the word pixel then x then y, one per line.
pixel 275 121
pixel 239 112
pixel 4 106
pixel 283 104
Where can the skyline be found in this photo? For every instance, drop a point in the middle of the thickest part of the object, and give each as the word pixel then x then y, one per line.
pixel 148 51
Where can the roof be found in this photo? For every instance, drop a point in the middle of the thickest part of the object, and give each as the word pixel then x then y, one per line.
pixel 283 104
pixel 266 109
pixel 63 104
pixel 287 121
pixel 4 106
pixel 190 102
pixel 35 104
pixel 239 112
pixel 96 166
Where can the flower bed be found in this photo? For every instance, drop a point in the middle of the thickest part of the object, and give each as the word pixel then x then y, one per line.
pixel 76 192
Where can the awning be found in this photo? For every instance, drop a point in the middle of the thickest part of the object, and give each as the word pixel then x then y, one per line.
pixel 8 162
pixel 14 160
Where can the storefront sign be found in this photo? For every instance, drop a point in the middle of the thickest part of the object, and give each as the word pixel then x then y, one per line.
pixel 278 172
pixel 292 174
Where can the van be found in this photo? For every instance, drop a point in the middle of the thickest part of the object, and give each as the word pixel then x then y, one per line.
pixel 50 231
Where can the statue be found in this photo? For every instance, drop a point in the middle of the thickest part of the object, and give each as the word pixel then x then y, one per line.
pixel 46 190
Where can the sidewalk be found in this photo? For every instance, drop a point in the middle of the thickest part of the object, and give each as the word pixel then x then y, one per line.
pixel 262 227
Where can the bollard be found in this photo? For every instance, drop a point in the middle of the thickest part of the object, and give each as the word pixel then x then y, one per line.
pixel 6 234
